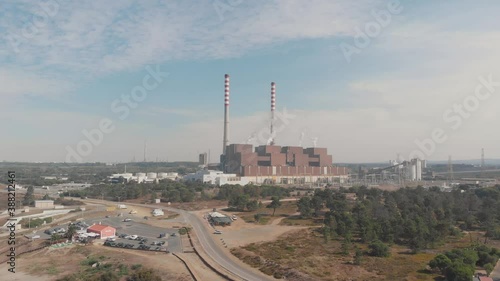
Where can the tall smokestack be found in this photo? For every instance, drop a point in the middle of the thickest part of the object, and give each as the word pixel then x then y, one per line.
pixel 226 114
pixel 273 107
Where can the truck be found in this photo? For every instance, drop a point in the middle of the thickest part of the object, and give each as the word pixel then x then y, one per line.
pixel 121 206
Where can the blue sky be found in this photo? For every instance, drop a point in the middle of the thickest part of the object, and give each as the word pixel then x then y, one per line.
pixel 62 64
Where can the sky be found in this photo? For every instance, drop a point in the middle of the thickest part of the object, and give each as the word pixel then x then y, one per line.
pixel 86 81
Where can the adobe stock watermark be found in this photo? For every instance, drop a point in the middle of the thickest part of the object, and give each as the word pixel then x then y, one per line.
pixel 46 10
pixel 372 29
pixel 455 117
pixel 223 6
pixel 122 108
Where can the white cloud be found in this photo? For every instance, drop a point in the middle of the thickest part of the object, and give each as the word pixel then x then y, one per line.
pixel 15 82
pixel 106 37
pixel 424 67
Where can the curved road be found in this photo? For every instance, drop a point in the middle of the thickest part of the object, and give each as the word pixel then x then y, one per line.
pixel 210 247
pixel 216 252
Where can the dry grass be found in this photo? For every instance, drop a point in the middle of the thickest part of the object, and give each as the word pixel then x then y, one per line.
pixel 306 252
pixel 298 221
pixel 75 260
pixel 287 209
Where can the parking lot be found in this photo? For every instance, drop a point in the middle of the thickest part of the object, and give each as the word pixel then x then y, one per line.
pixel 141 243
pixel 134 227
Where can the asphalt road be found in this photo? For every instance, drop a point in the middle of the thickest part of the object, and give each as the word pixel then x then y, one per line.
pixel 215 252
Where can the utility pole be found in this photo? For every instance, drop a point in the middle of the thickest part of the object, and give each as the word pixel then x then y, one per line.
pixel 482 163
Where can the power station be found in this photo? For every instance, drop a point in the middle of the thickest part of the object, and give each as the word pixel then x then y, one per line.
pixel 270 163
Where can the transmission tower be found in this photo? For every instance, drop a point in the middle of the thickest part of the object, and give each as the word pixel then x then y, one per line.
pixel 450 169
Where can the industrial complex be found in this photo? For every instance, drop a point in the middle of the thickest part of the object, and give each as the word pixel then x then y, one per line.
pixel 269 163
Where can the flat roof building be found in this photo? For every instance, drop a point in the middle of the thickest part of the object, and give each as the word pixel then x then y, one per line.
pixel 104 231
pixel 219 219
pixel 44 204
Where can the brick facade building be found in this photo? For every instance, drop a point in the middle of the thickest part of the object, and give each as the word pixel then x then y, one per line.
pixel 282 162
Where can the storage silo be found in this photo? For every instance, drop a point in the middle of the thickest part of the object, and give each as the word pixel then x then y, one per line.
pixel 419 170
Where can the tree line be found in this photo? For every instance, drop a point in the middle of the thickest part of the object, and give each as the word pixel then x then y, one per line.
pixel 246 198
pixel 417 218
pixel 181 191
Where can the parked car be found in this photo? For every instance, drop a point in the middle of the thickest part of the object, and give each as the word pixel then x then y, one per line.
pixel 133 237
pixel 217 232
pixel 127 220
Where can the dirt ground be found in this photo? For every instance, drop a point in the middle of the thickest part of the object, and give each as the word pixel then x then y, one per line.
pixel 241 233
pixel 51 264
pixel 19 276
pixel 200 270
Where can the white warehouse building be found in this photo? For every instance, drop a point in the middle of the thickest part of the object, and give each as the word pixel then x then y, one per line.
pixel 216 178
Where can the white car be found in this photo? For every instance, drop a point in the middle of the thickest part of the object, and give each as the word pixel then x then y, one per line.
pixel 111 239
pixel 217 232
pixel 133 237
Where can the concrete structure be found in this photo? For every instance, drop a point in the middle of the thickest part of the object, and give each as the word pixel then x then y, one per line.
pixel 104 231
pixel 272 139
pixel 225 141
pixel 44 204
pixel 283 165
pixel 203 159
pixel 157 212
pixel 275 164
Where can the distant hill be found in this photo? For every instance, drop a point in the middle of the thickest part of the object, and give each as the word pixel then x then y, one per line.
pixel 488 162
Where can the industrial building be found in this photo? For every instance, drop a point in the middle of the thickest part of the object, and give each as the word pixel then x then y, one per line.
pixel 398 172
pixel 203 159
pixel 142 177
pixel 216 178
pixel 275 164
pixel 219 219
pixel 104 231
pixel 282 165
pixel 44 204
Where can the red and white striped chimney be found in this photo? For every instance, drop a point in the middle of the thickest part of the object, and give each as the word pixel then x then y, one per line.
pixel 273 107
pixel 226 114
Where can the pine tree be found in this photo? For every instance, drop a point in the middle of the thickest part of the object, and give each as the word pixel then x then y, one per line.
pixel 29 197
